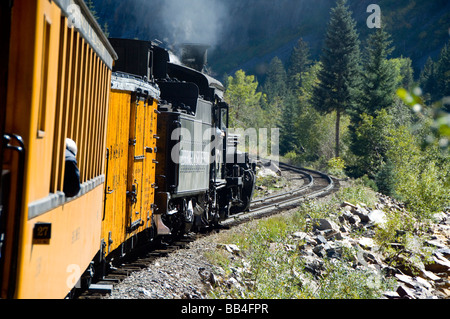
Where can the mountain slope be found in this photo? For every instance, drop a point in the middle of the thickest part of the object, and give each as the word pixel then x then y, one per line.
pixel 248 34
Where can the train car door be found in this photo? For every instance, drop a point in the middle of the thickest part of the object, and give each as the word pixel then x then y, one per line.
pixel 137 182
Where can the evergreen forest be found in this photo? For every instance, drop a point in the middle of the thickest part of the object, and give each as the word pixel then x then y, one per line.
pixel 358 111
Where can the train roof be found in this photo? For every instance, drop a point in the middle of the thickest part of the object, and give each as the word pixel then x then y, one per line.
pixel 128 82
pixel 207 85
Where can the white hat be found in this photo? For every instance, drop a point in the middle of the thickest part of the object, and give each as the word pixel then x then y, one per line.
pixel 71 146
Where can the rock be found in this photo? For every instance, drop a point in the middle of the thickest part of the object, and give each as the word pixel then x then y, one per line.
pixel 363 214
pixel 437 244
pixel 440 217
pixel 405 292
pixel 233 283
pixel 333 253
pixel 366 243
pixel 439 264
pixel 299 235
pixel 373 258
pixel 324 224
pixel 320 240
pixel 391 295
pixel 232 248
pixel 313 264
pixel 423 282
pixel 145 292
pixel 319 250
pixel 429 275
pixel 409 281
pixel 377 217
pixel 344 204
pixel 354 220
pixel 445 252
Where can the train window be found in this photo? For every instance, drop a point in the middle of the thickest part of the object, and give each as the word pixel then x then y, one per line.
pixel 81 106
pixel 44 79
pixel 61 109
pixel 223 108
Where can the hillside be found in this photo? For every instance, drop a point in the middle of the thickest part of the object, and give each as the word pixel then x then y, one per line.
pixel 248 34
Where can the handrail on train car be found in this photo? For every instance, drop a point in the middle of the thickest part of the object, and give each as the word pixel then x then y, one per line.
pixel 20 149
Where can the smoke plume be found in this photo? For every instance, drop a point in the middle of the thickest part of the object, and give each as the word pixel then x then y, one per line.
pixel 194 21
pixel 182 21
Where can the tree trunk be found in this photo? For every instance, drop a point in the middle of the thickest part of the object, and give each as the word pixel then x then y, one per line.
pixel 338 123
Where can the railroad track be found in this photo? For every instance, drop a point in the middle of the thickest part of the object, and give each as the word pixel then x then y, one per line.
pixel 316 184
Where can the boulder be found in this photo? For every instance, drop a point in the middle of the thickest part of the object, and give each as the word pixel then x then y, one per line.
pixel 439 264
pixel 405 292
pixel 363 214
pixel 324 224
pixel 377 217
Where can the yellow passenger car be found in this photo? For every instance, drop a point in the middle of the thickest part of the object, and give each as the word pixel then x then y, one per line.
pixel 58 85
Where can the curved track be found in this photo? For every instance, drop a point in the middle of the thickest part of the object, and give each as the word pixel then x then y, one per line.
pixel 317 184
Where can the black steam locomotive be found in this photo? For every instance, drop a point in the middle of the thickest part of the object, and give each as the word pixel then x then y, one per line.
pixel 201 177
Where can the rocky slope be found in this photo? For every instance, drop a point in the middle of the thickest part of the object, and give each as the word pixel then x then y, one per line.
pixel 188 274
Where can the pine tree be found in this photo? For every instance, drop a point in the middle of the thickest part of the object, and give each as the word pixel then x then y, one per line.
pixel 378 86
pixel 435 77
pixel 275 83
pixel 275 90
pixel 340 75
pixel 299 62
pixel 443 73
pixel 288 136
pixel 90 4
pixel 427 80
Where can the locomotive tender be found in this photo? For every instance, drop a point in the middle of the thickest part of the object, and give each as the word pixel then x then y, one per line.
pixel 154 153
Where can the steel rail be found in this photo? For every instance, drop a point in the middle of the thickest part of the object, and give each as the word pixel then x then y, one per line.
pixel 270 205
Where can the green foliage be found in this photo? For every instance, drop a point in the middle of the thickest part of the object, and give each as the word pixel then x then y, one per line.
pixel 288 135
pixel 339 77
pixel 357 193
pixel 342 282
pixel 336 167
pixel 385 179
pixel 404 73
pixel 91 5
pixel 437 113
pixel 420 176
pixel 396 144
pixel 378 76
pixel 435 77
pixel 244 101
pixel 369 183
pixel 403 241
pixel 299 63
pixel 275 85
pixel 370 143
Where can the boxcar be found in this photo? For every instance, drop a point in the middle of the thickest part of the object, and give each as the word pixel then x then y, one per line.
pixel 131 163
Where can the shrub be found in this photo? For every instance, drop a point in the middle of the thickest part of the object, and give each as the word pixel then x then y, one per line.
pixel 336 167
